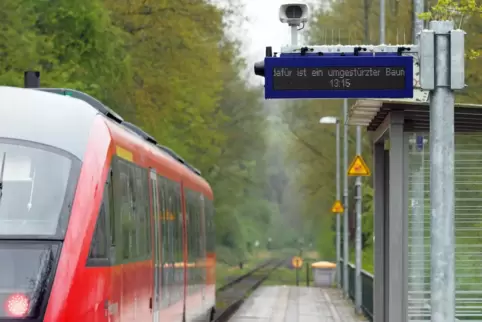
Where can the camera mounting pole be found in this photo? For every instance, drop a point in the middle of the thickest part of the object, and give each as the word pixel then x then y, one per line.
pixel 294 35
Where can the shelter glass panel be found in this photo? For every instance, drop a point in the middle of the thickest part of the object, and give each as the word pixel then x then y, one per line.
pixel 468 227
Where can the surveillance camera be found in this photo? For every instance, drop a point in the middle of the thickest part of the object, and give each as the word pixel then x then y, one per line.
pixel 293 13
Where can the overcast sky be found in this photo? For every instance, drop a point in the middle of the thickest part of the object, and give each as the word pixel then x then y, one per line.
pixel 262 29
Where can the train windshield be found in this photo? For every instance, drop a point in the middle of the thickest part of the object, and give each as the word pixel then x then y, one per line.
pixel 34 189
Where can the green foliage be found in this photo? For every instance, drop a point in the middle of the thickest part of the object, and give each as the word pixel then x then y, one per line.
pixel 459 12
pixel 452 10
pixel 171 68
pixel 73 44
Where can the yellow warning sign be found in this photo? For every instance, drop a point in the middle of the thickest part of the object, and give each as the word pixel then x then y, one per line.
pixel 359 168
pixel 337 207
pixel 297 262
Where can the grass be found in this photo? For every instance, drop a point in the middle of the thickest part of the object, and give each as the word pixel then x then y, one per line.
pixel 287 276
pixel 367 259
pixel 281 276
pixel 225 273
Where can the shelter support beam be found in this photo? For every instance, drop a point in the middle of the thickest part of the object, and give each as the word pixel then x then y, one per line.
pixel 379 297
pixel 397 299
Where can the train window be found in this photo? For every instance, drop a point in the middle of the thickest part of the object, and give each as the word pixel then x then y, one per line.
pixel 132 202
pixel 98 247
pixel 166 239
pixel 195 239
pixel 189 231
pixel 200 242
pixel 101 240
pixel 118 207
pixel 178 243
pixel 141 204
pixel 111 211
pixel 173 242
pixel 169 224
pixel 211 239
pixel 205 238
pixel 126 211
pixel 172 256
pixel 180 239
pixel 173 270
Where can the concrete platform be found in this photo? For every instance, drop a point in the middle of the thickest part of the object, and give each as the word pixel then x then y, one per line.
pixel 296 304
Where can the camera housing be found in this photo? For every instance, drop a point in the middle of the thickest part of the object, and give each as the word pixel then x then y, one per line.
pixel 294 14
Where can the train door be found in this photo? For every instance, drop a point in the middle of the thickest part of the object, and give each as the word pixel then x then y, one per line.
pixel 157 251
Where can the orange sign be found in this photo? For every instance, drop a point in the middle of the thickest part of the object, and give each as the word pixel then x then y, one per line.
pixel 337 207
pixel 297 262
pixel 358 168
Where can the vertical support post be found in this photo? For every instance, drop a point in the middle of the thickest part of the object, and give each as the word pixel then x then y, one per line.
pixel 442 103
pixel 379 296
pixel 382 21
pixel 386 227
pixel 418 8
pixel 307 274
pixel 294 35
pixel 396 222
pixel 358 246
pixel 345 200
pixel 297 276
pixel 338 219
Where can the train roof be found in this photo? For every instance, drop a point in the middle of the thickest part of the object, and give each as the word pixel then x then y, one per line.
pixel 146 136
pixel 63 122
pixel 103 109
pixel 67 121
pixel 95 103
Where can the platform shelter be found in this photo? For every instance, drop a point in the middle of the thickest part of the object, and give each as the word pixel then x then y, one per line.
pixel 399 131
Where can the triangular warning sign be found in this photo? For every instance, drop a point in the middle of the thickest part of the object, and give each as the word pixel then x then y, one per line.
pixel 337 207
pixel 358 167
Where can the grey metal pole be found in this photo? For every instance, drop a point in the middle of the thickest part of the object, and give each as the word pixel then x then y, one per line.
pixel 418 8
pixel 294 35
pixel 345 199
pixel 358 246
pixel 338 223
pixel 442 151
pixel 382 21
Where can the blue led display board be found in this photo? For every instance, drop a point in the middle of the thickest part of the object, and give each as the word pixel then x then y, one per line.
pixel 384 76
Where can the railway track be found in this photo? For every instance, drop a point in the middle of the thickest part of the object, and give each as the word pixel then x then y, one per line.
pixel 230 296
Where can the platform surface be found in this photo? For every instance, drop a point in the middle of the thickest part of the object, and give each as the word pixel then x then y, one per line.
pixel 296 304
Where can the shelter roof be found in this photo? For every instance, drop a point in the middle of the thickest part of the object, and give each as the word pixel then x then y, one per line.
pixel 370 113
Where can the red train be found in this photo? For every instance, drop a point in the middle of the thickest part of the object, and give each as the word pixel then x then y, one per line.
pixel 98 222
